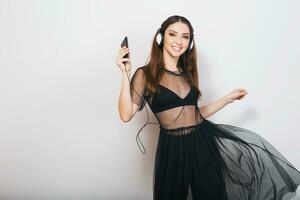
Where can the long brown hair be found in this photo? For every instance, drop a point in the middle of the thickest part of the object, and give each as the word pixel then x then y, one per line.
pixel 187 61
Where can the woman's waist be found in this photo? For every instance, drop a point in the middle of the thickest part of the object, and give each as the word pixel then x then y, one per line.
pixel 180 130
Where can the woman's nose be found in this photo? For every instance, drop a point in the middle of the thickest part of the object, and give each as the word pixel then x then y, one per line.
pixel 178 40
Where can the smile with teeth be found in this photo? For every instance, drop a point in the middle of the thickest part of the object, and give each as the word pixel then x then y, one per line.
pixel 176 48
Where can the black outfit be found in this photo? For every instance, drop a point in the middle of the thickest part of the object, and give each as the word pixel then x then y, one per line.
pixel 197 159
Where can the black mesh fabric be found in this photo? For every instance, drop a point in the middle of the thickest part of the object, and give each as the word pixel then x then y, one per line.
pixel 199 159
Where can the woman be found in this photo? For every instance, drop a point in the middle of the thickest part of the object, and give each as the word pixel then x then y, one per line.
pixel 196 158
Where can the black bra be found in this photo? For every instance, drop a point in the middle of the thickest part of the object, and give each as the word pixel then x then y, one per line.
pixel 168 99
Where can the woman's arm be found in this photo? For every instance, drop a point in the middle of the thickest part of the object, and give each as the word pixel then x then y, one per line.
pixel 131 97
pixel 212 108
pixel 125 101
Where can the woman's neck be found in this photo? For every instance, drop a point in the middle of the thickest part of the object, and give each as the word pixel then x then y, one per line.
pixel 170 62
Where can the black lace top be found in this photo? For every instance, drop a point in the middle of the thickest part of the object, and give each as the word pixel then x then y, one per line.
pixel 174 104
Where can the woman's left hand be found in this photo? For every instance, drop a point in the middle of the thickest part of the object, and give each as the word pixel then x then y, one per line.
pixel 238 93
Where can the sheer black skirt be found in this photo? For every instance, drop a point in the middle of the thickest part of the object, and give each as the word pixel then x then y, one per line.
pixel 211 161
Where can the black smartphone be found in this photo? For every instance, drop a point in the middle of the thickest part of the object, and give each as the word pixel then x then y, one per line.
pixel 125 43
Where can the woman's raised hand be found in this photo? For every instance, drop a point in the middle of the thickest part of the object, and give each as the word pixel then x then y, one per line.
pixel 120 59
pixel 238 93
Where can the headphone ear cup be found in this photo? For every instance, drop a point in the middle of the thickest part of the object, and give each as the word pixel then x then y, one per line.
pixel 160 39
pixel 191 45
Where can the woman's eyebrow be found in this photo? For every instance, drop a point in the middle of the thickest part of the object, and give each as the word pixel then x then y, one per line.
pixel 182 33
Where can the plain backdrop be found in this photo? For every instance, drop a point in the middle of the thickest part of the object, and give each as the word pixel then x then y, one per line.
pixel 61 137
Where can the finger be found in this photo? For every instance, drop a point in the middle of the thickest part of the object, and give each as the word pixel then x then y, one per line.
pixel 242 91
pixel 125 59
pixel 120 56
pixel 123 53
pixel 122 48
pixel 242 96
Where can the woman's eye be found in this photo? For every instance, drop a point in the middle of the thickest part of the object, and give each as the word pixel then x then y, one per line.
pixel 185 37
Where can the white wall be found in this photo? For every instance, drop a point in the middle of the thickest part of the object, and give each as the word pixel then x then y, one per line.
pixel 60 133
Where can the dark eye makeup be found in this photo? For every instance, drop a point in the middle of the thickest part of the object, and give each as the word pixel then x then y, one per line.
pixel 172 34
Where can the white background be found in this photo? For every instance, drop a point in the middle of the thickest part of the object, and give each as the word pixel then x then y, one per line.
pixel 60 132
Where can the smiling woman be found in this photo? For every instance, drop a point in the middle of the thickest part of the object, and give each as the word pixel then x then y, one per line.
pixel 196 158
pixel 181 40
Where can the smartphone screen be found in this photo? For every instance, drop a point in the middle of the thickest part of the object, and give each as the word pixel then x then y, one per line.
pixel 125 43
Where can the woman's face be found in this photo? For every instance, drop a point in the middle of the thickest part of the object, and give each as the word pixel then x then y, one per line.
pixel 176 39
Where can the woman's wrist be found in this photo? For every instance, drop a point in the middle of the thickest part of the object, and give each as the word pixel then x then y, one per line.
pixel 126 74
pixel 125 71
pixel 228 100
